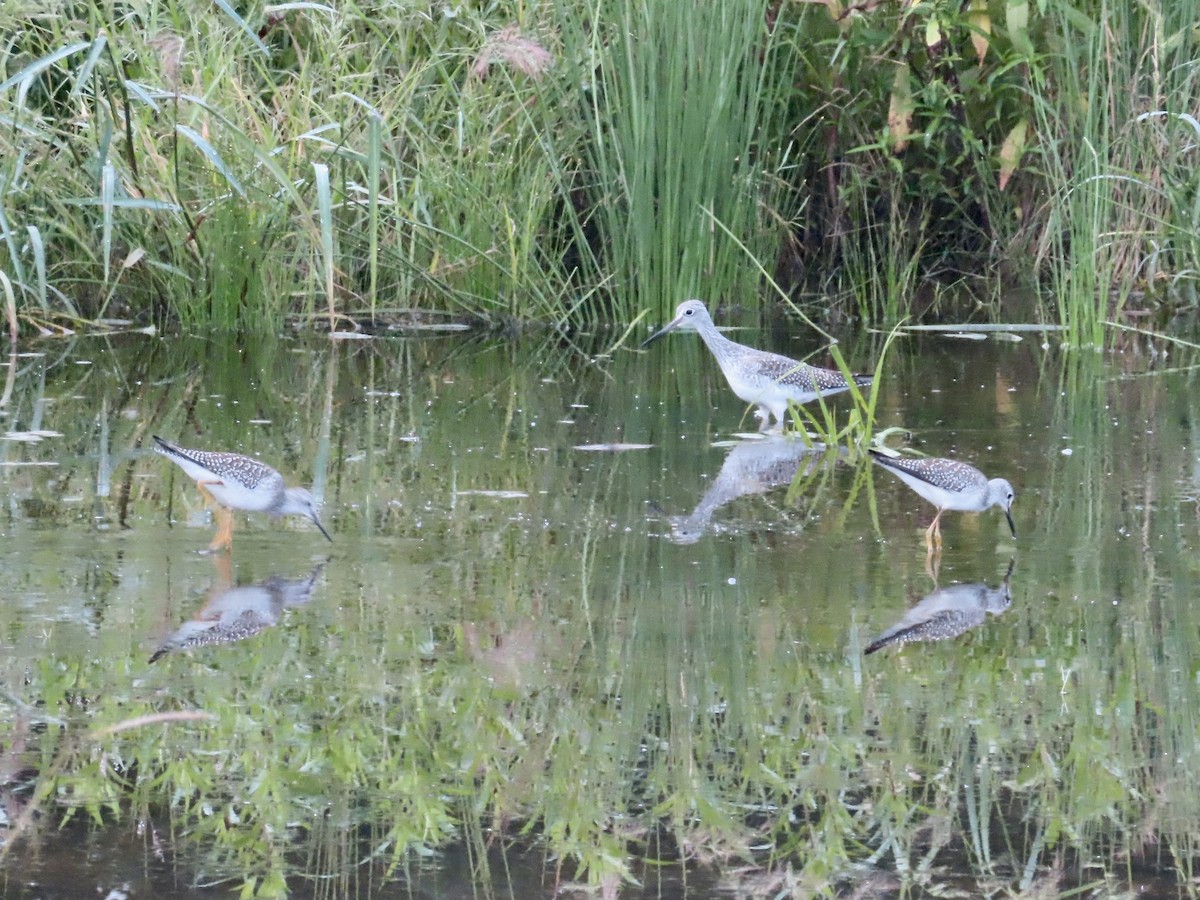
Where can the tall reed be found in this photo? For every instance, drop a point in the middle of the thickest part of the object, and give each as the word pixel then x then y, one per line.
pixel 571 162
pixel 680 103
pixel 1115 132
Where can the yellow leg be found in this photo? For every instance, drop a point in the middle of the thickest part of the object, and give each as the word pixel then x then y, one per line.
pixel 933 534
pixel 935 529
pixel 223 540
pixel 206 494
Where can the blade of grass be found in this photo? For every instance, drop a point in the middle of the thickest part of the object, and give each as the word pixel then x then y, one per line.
pixel 14 255
pixel 374 154
pixel 325 222
pixel 26 75
pixel 108 180
pixel 39 264
pixel 210 153
pixel 245 28
pixel 84 74
pixel 10 308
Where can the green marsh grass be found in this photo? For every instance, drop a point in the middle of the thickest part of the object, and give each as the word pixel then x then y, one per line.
pixel 857 431
pixel 10 309
pixel 883 262
pixel 1121 220
pixel 235 166
pixel 373 187
pixel 680 100
pixel 240 191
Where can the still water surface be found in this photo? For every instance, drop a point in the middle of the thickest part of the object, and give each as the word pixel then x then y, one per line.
pixel 573 622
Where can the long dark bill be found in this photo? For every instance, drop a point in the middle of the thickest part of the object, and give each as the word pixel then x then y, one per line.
pixel 317 522
pixel 670 326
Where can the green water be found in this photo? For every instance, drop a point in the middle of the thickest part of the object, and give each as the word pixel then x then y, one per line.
pixel 573 630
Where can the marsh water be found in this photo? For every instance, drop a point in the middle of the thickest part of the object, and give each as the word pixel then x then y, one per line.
pixel 576 627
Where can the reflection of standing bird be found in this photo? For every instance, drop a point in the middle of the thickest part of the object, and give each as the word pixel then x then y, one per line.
pixel 233 481
pixel 947 612
pixel 751 467
pixel 768 380
pixel 238 613
pixel 949 484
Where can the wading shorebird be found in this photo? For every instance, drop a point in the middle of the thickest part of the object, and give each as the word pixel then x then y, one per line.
pixel 232 481
pixel 949 484
pixel 767 380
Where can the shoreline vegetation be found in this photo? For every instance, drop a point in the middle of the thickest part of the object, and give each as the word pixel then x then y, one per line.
pixel 242 165
pixel 352 166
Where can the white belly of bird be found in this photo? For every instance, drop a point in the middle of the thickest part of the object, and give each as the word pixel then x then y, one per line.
pixel 237 497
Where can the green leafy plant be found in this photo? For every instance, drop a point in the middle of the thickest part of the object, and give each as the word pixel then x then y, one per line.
pixel 819 420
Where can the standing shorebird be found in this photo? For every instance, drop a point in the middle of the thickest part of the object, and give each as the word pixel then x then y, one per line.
pixel 949 484
pixel 232 481
pixel 765 379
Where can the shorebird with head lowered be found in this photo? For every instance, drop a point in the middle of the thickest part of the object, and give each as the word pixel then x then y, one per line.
pixel 232 481
pixel 949 484
pixel 767 380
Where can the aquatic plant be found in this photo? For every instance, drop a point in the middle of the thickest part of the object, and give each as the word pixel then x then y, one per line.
pixel 514 662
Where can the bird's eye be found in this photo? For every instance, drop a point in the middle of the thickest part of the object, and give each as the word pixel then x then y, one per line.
pixel 689 312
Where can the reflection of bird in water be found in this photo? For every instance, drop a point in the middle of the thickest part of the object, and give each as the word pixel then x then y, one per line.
pixel 768 380
pixel 233 481
pixel 240 612
pixel 948 612
pixel 751 467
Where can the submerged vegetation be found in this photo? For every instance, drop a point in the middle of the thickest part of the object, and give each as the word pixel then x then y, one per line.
pixel 501 654
pixel 572 163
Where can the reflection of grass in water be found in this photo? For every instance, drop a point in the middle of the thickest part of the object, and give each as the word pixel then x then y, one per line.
pixel 674 710
pixel 614 696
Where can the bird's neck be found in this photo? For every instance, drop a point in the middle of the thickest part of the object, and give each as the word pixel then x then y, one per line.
pixel 715 341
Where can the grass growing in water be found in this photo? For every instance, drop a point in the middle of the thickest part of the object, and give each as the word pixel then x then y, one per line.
pixel 819 419
pixel 1118 146
pixel 682 99
pixel 233 166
